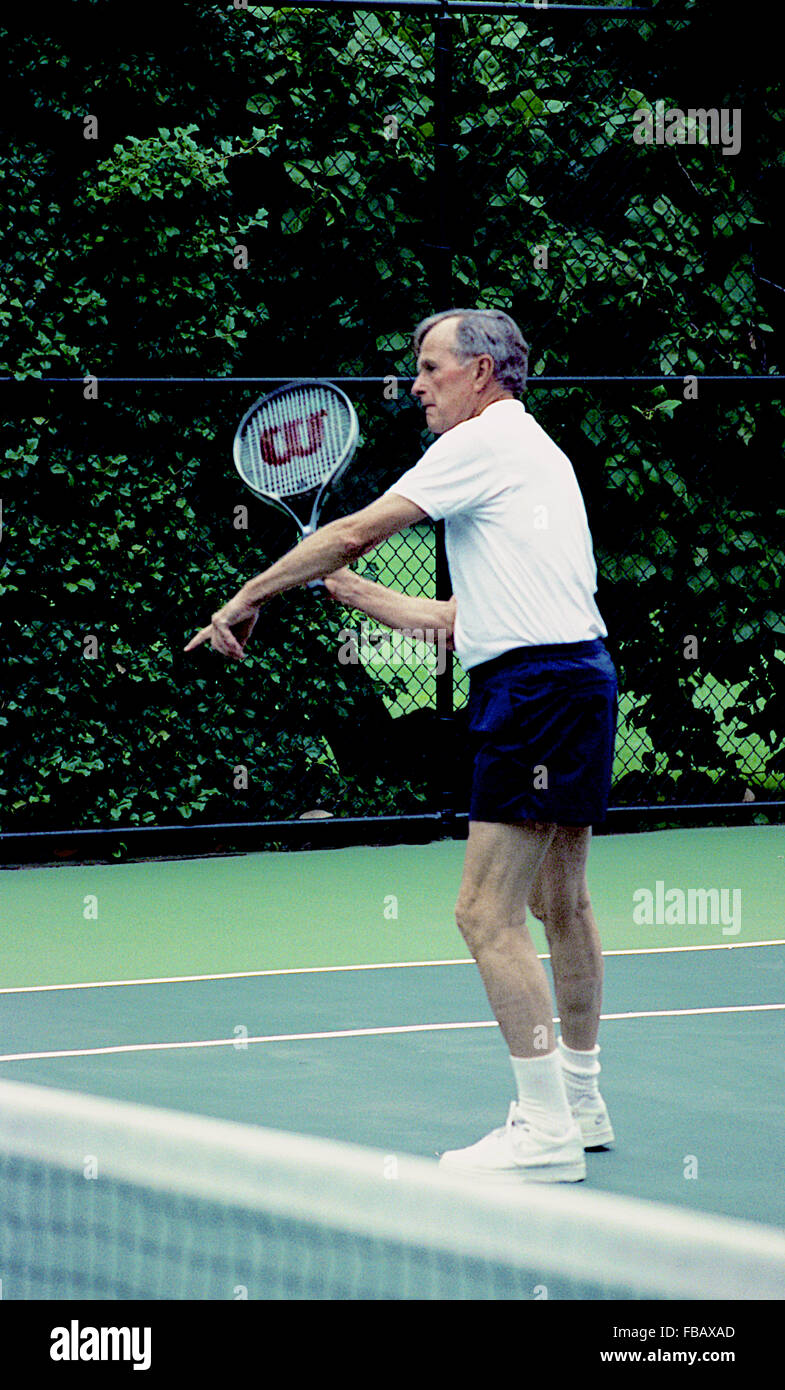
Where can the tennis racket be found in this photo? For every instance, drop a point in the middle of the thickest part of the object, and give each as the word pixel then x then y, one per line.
pixel 293 445
pixel 289 449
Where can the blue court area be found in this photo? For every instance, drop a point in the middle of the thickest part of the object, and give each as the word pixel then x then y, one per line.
pixel 328 994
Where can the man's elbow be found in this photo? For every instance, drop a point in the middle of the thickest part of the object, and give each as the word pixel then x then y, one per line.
pixel 357 537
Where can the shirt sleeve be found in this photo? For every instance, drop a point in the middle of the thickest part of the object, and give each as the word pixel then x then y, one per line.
pixel 453 476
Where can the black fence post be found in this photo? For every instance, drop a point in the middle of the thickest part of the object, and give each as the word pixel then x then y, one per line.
pixel 443 162
pixel 442 291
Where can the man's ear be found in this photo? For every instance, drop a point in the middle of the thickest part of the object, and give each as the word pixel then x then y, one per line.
pixel 484 370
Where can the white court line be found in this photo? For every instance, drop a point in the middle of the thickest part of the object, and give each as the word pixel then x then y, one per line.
pixel 240 1044
pixel 338 969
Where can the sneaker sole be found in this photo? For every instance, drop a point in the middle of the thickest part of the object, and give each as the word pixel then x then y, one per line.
pixel 554 1172
pixel 598 1139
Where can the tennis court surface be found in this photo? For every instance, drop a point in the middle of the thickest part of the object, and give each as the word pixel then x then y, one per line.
pixel 291 1007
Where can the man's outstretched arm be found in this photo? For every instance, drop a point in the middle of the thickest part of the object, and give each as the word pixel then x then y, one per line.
pixel 328 549
pixel 434 618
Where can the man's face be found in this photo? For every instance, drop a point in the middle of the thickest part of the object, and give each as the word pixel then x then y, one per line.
pixel 445 386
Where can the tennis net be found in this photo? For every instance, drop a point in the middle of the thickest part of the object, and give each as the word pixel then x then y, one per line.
pixel 106 1200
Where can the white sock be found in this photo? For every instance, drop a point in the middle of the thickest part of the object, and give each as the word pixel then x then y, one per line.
pixel 541 1092
pixel 580 1069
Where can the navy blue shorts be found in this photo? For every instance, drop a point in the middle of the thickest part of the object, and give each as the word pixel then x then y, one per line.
pixel 543 724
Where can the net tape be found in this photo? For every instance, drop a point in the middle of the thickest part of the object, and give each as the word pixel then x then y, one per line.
pixel 186 1206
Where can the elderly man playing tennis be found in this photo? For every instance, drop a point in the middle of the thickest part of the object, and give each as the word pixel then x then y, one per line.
pixel 542 714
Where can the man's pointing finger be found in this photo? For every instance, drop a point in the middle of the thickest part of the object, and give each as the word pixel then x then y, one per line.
pixel 200 637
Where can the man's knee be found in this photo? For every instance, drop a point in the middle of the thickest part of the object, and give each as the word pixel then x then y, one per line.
pixel 470 921
pixel 558 899
pixel 569 908
pixel 479 925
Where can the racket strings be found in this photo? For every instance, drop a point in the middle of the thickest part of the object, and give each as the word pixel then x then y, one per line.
pixel 295 441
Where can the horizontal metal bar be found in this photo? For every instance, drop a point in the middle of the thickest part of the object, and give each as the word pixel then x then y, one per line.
pixel 197 840
pixel 675 379
pixel 270 827
pixel 19 847
pixel 195 380
pixel 442 7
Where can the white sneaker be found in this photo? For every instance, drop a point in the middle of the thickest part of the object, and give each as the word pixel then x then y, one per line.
pixel 590 1113
pixel 516 1152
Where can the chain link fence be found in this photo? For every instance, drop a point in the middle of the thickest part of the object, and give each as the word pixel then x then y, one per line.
pixel 562 164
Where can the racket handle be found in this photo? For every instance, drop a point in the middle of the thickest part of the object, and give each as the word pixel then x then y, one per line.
pixel 316 584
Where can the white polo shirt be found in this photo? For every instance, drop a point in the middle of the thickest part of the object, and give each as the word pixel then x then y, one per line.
pixel 517 538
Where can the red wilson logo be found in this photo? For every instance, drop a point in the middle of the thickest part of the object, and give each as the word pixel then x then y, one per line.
pixel 279 444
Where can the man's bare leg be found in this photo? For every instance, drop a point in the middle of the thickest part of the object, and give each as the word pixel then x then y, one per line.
pixel 541 1140
pixel 500 865
pixel 559 897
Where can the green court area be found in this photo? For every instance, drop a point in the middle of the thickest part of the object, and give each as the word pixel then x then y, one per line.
pixel 365 905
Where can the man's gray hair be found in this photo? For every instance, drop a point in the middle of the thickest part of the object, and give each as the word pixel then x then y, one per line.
pixel 481 331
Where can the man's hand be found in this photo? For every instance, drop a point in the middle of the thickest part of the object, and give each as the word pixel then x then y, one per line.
pixel 230 628
pixel 434 618
pixel 329 549
pixel 343 586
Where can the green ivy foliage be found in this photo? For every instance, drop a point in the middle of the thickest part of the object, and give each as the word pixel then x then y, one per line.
pixel 250 192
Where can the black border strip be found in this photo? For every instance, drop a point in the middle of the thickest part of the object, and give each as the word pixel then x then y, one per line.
pixel 107 845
